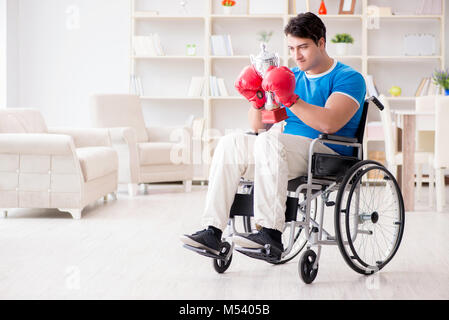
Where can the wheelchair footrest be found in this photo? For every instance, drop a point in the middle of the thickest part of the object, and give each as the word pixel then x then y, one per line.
pixel 205 253
pixel 267 253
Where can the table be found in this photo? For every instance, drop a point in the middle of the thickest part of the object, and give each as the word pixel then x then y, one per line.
pixel 410 121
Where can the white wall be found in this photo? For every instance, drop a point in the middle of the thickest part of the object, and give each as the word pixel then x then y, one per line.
pixel 12 53
pixel 8 53
pixel 3 53
pixel 68 50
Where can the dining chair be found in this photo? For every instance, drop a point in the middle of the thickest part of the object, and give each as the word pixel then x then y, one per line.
pixel 394 158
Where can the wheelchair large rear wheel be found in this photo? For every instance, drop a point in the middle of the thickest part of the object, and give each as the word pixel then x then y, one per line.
pixel 369 217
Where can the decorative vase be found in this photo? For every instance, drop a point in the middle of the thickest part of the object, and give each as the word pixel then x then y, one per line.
pixel 446 92
pixel 227 10
pixel 322 9
pixel 342 48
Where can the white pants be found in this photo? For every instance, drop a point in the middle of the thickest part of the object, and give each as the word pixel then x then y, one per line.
pixel 270 160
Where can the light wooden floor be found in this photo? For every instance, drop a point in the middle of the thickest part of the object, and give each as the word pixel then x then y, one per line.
pixel 129 249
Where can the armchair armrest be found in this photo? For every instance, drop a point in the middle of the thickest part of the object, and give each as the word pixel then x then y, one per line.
pixel 85 137
pixel 123 135
pixel 36 144
pixel 124 141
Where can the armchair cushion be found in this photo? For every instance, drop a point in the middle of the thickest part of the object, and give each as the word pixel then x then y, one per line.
pixel 97 162
pixel 153 153
pixel 22 121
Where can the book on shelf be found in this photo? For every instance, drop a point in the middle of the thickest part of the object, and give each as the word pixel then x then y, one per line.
pixel 434 89
pixel 420 88
pixel 429 7
pixel 427 87
pixel 221 45
pixel 136 86
pixel 217 87
pixel 228 43
pixel 436 7
pixel 222 87
pixel 157 43
pixel 196 87
pixel 213 86
pixel 148 45
pixel 371 86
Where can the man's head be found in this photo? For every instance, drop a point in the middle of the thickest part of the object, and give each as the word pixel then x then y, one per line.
pixel 306 38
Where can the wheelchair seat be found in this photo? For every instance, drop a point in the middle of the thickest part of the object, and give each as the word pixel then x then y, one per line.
pixel 295 183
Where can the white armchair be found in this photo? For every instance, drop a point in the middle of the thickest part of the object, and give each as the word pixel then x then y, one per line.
pixel 65 169
pixel 146 154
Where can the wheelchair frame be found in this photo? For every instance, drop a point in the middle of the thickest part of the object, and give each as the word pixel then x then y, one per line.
pixel 312 184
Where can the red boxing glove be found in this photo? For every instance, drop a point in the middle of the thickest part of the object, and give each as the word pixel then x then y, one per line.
pixel 249 84
pixel 281 81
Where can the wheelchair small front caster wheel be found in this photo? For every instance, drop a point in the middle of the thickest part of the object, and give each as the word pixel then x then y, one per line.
pixel 305 267
pixel 221 265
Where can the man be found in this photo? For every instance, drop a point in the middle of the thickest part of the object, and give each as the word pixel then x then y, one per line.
pixel 321 96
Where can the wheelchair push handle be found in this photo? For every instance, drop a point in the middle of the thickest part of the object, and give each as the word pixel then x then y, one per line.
pixel 376 101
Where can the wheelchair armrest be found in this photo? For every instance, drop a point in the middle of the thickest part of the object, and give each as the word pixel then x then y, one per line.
pixel 332 137
pixel 251 133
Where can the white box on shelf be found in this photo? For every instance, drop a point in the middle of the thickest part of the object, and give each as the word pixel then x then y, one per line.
pixel 267 7
pixel 419 45
pixel 301 6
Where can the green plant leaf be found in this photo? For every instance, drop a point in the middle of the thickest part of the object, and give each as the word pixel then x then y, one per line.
pixel 342 38
pixel 441 77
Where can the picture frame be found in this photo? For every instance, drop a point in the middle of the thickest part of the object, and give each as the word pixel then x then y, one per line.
pixel 346 7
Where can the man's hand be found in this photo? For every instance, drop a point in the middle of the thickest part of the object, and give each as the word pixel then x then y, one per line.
pixel 281 81
pixel 249 84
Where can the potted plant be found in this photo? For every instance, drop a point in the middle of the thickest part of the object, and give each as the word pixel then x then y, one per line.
pixel 342 42
pixel 441 78
pixel 265 36
pixel 227 6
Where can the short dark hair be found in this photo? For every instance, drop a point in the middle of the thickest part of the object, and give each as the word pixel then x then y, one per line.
pixel 306 25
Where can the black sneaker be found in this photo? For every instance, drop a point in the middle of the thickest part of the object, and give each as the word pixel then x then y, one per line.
pixel 204 239
pixel 258 240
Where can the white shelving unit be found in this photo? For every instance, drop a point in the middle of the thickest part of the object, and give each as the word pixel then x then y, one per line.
pixel 166 78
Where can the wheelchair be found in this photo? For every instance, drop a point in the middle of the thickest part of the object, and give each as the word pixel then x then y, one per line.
pixel 368 210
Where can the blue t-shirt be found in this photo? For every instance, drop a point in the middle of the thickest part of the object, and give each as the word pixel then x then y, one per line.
pixel 316 89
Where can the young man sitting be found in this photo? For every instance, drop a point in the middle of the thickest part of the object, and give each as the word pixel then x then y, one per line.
pixel 322 95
